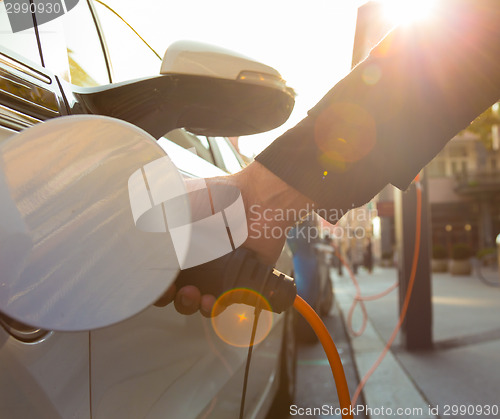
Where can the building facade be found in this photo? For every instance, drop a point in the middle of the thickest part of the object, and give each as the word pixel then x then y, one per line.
pixel 464 193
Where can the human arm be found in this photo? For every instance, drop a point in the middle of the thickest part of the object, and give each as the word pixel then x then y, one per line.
pixel 435 78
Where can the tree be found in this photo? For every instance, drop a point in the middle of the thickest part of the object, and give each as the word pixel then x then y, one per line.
pixel 483 126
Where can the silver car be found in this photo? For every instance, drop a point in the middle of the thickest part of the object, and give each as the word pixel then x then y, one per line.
pixel 154 363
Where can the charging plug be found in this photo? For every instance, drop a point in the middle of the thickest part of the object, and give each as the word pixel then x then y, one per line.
pixel 241 269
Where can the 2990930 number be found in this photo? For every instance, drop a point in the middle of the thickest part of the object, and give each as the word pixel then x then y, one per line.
pixel 23 8
pixel 470 410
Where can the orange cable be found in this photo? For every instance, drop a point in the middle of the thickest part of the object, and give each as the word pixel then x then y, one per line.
pixel 404 309
pixel 361 330
pixel 331 352
pixel 359 299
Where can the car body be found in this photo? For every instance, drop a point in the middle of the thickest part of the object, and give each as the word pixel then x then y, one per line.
pixel 158 363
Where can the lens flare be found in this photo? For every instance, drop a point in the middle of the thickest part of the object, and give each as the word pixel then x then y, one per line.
pixel 233 322
pixel 344 133
pixel 371 74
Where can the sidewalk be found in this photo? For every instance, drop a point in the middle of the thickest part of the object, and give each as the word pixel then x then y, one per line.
pixel 461 372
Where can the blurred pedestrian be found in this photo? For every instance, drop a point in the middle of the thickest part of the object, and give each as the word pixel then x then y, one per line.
pixel 368 256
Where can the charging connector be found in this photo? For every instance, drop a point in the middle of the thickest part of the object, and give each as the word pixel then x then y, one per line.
pixel 241 269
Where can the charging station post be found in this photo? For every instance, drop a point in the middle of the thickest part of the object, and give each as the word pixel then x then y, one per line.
pixel 417 327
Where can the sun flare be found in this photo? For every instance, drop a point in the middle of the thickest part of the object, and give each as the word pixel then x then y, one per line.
pixel 401 12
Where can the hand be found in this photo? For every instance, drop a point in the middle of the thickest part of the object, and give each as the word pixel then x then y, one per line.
pixel 188 300
pixel 266 199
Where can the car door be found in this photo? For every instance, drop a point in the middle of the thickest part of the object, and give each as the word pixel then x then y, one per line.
pixel 42 374
pixel 157 364
pixel 160 363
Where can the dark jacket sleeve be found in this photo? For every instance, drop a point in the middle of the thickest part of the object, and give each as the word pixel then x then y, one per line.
pixel 396 110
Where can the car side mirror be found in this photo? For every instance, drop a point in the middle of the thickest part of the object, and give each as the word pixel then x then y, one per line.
pixel 205 89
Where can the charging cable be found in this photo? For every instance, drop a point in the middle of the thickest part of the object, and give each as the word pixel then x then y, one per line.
pixel 331 352
pixel 406 302
pixel 257 311
pixel 359 299
pixel 241 269
pixel 328 345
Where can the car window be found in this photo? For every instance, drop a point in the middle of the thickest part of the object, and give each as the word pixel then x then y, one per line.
pixel 197 145
pixel 72 49
pixel 21 44
pixel 187 161
pixel 130 57
pixel 229 159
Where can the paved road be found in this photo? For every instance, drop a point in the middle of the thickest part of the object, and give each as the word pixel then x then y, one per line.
pixel 462 370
